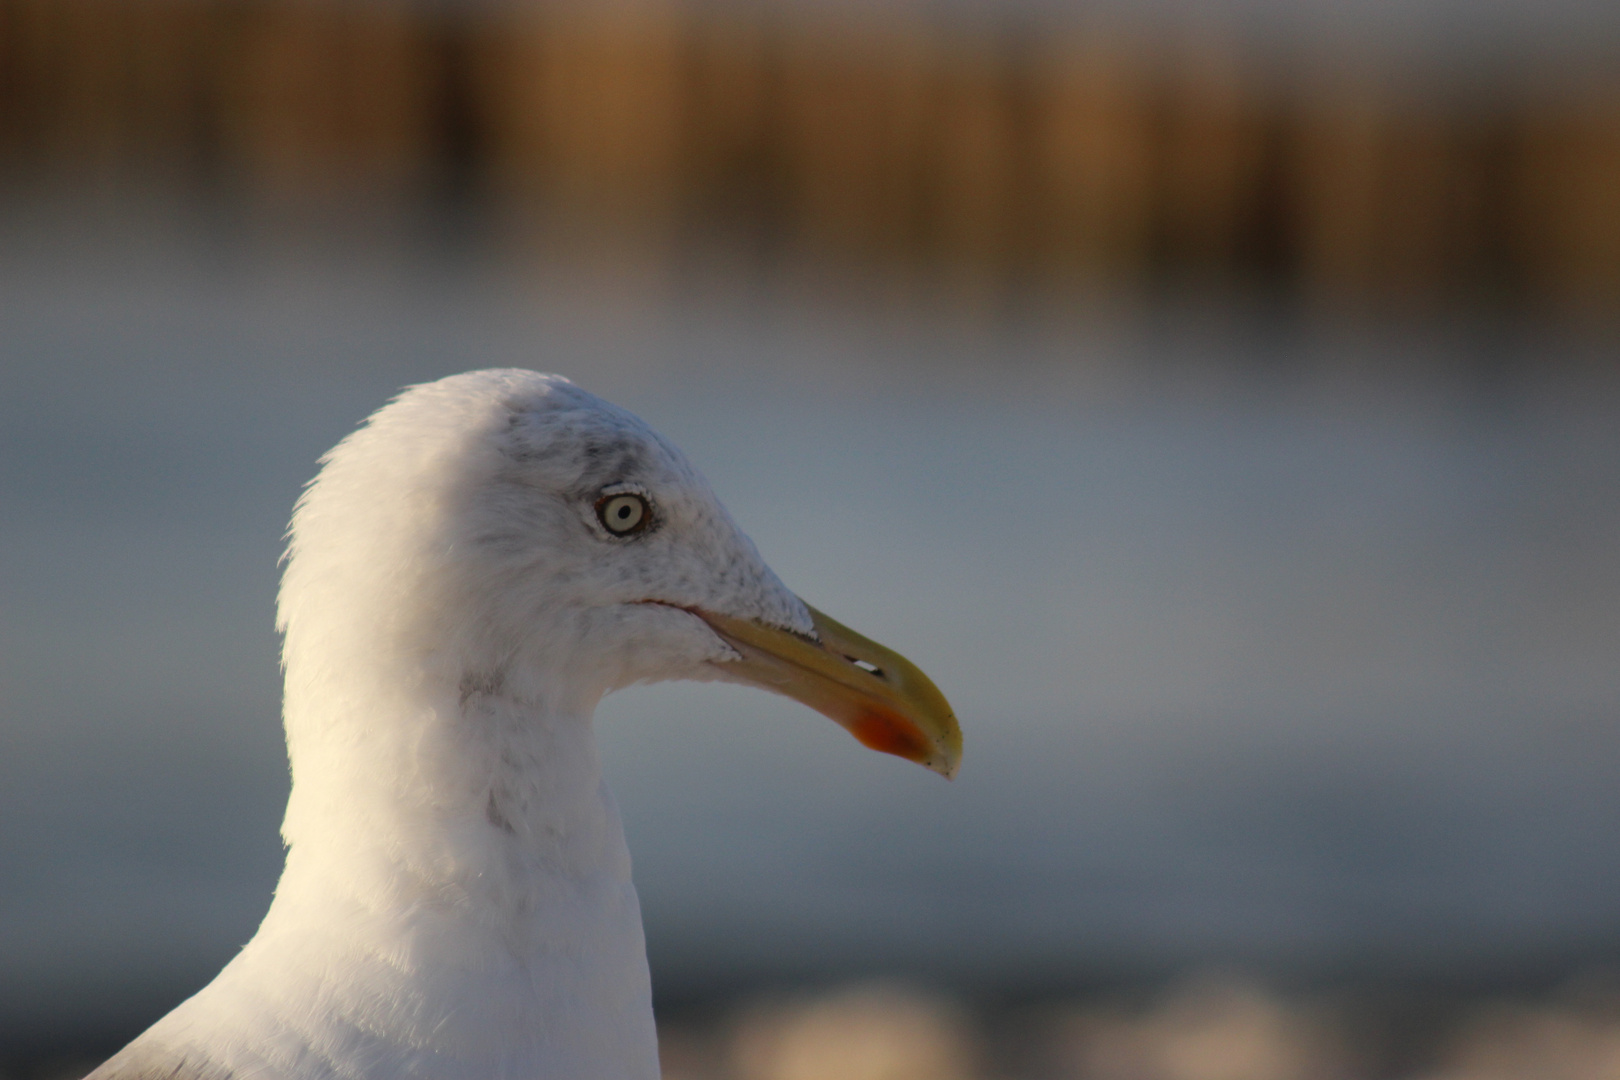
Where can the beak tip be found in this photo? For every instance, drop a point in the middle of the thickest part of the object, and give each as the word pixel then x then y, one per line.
pixel 947 758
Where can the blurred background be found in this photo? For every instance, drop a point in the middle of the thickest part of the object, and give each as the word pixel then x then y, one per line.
pixel 1220 400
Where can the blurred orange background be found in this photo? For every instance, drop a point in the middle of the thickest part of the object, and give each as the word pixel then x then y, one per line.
pixel 997 148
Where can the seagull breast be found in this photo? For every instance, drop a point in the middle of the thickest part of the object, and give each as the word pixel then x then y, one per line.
pixel 466 577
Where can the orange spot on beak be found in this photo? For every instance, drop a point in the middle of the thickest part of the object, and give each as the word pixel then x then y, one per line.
pixel 890 733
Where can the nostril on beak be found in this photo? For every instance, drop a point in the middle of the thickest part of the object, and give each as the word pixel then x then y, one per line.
pixel 866 666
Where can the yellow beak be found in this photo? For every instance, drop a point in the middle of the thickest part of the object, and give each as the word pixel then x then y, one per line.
pixel 882 698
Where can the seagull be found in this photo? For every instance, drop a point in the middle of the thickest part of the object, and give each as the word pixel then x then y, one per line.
pixel 467 575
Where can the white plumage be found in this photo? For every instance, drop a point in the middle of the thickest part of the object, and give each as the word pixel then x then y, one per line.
pixel 457 900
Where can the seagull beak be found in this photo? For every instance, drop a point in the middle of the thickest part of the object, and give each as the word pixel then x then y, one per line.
pixel 881 697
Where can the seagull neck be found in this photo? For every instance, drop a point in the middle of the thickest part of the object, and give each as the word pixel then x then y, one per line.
pixel 465 852
pixel 477 799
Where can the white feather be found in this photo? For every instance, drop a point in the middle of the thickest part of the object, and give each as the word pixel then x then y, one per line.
pixel 457 900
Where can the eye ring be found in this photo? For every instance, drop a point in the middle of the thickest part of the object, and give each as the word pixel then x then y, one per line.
pixel 624 513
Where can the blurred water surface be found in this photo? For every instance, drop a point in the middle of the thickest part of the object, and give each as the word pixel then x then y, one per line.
pixel 1286 648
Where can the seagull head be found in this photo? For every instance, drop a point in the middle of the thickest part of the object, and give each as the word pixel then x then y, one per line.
pixel 505 534
pixel 467 575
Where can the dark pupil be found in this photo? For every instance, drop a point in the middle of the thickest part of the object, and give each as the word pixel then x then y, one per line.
pixel 624 512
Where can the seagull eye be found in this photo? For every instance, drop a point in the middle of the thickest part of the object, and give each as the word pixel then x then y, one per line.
pixel 623 515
